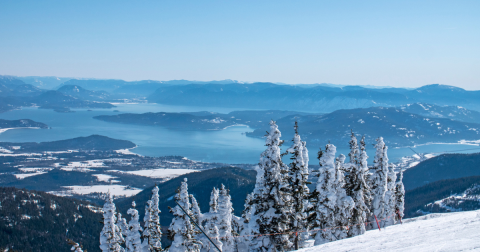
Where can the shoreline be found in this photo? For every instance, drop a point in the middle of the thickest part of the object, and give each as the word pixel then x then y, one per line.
pixel 2 130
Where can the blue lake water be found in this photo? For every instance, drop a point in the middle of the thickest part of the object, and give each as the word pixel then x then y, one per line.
pixel 225 146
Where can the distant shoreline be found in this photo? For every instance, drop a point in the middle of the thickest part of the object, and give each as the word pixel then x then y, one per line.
pixel 2 130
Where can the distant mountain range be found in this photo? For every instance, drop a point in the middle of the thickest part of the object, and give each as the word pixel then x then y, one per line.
pixel 82 93
pixel 314 99
pixel 14 94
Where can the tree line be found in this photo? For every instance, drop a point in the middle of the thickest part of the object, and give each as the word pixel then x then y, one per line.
pixel 281 214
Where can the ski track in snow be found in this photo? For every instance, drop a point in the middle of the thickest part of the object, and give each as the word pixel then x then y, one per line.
pixel 434 232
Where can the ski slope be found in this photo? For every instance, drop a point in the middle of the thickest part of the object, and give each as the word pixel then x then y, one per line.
pixel 458 231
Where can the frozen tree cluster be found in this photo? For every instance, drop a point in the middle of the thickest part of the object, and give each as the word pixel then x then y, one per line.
pixel 282 213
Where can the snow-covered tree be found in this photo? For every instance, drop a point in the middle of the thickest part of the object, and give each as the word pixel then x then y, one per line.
pixel 359 190
pixel 133 241
pixel 378 184
pixel 110 236
pixel 390 198
pixel 333 206
pixel 244 227
pixel 181 230
pixel 211 220
pixel 354 151
pixel 196 213
pixel 152 233
pixel 225 218
pixel 76 247
pixel 298 181
pixel 271 209
pixel 212 231
pixel 345 203
pixel 122 225
pixel 400 197
pixel 214 200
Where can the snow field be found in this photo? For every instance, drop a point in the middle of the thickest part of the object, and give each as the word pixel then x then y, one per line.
pixel 434 232
pixel 115 190
pixel 158 173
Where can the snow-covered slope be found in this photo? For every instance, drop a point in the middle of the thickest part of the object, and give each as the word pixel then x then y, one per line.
pixel 433 232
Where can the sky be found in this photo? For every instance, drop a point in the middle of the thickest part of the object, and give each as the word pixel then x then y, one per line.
pixel 382 43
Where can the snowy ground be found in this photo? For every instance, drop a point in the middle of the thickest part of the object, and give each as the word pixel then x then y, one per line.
pixel 159 173
pixel 115 190
pixel 434 232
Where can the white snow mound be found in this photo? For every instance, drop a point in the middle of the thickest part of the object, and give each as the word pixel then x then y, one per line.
pixel 434 232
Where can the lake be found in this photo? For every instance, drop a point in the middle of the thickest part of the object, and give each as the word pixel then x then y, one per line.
pixel 230 146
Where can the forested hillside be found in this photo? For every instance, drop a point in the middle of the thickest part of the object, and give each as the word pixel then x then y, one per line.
pixel 446 166
pixel 37 221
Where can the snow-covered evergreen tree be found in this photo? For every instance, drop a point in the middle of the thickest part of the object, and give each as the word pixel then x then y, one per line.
pixel 390 197
pixel 244 228
pixel 110 236
pixel 225 218
pixel 122 225
pixel 212 231
pixel 211 220
pixel 271 209
pixel 181 230
pixel 326 199
pixel 359 190
pixel 196 213
pixel 354 151
pixel 133 241
pixel 152 233
pixel 345 203
pixel 400 197
pixel 76 247
pixel 333 206
pixel 298 181
pixel 214 200
pixel 378 184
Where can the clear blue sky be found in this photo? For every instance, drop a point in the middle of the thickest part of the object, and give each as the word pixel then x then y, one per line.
pixel 394 43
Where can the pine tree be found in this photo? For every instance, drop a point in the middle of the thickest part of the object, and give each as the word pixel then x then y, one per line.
pixel 225 218
pixel 345 203
pixel 400 198
pixel 211 220
pixel 390 197
pixel 354 151
pixel 122 225
pixel 378 184
pixel 196 213
pixel 326 196
pixel 298 180
pixel 333 207
pixel 271 208
pixel 152 234
pixel 75 247
pixel 212 231
pixel 181 230
pixel 110 236
pixel 359 190
pixel 133 241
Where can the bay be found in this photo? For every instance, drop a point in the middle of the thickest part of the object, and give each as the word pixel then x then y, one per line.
pixel 229 146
